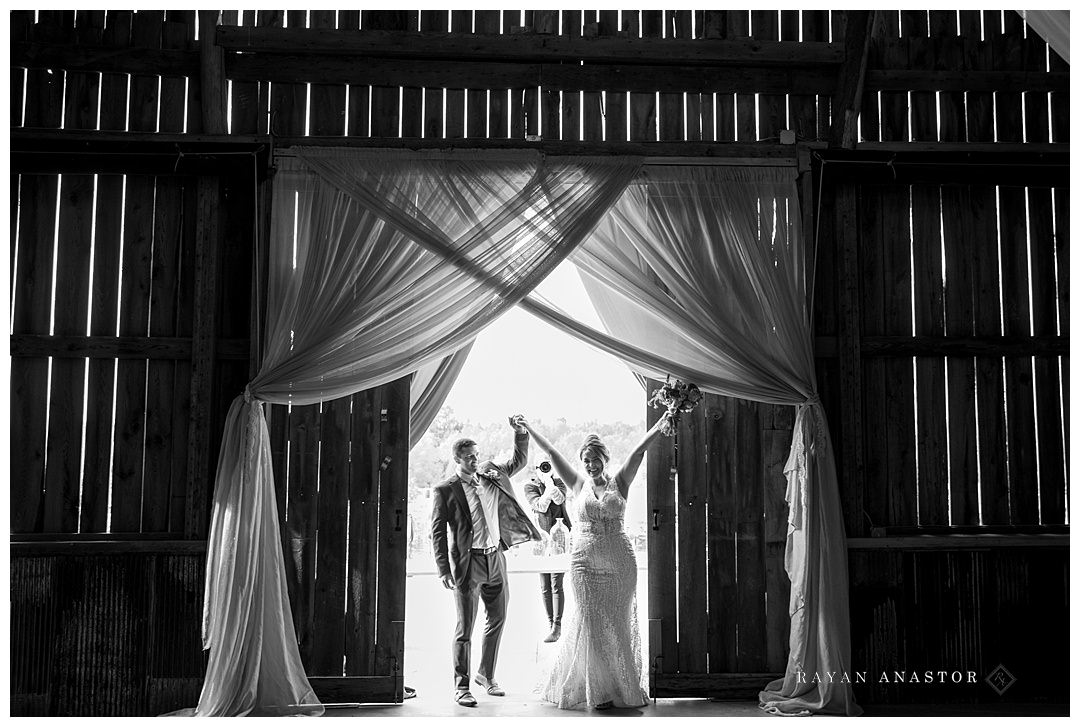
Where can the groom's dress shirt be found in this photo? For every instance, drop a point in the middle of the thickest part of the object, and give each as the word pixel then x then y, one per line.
pixel 483 506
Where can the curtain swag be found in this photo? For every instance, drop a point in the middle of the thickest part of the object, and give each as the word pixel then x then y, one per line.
pixel 386 264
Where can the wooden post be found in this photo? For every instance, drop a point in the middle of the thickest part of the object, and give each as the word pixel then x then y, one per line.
pixel 849 88
pixel 203 350
pixel 211 75
pixel 850 357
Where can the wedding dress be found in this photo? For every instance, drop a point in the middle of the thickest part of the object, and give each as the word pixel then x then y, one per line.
pixel 599 656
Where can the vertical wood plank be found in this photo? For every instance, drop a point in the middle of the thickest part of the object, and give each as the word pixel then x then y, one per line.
pixel 614 101
pixel 901 474
pixel 750 553
pixel 488 22
pixel 1036 105
pixel 745 118
pixel 663 607
pixel 592 108
pixel 990 395
pixel 803 107
pixel 1044 287
pixel 872 207
pixel 894 104
pixel 848 227
pixel 245 117
pixel 550 116
pixel 30 376
pixel 173 88
pixel 691 513
pixel 287 100
pixel 114 86
pixel 948 54
pixel 333 508
pixel 772 108
pixel 1059 104
pixel 642 105
pixel 327 116
pixel 1019 384
pixel 356 113
pixel 460 22
pixel 63 478
pixel 81 89
pixel 302 524
pixel 977 57
pixel 202 435
pixel 570 129
pixel 512 23
pixel 433 20
pixel 20 24
pixel 45 87
pixel 960 370
pixel 929 292
pixel 723 609
pixel 385 100
pixel 393 531
pixel 146 28
pixel 670 113
pixel 1008 54
pixel 869 117
pixel 363 534
pixel 100 381
pixel 131 374
pixel 412 99
pixel 195 90
pixel 165 292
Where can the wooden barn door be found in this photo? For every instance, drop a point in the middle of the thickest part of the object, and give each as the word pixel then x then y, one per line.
pixel 718 593
pixel 342 478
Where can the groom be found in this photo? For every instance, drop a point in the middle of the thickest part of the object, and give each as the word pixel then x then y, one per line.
pixel 484 518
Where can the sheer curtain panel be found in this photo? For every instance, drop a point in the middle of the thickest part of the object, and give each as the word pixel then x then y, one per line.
pixel 700 273
pixel 380 264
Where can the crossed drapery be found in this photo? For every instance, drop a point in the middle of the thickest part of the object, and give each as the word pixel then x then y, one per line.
pixel 382 264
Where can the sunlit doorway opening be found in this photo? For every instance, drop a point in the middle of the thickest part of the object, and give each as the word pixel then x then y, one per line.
pixel 568 389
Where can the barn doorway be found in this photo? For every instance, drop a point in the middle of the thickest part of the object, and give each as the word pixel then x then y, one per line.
pixel 517 365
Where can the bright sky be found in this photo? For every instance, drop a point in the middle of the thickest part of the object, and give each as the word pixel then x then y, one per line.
pixel 521 364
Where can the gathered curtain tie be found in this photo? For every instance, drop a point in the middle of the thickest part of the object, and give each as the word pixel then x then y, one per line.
pixel 247 394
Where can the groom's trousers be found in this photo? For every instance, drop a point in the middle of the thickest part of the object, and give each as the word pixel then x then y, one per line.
pixel 487 582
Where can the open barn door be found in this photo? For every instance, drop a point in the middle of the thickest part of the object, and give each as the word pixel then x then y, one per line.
pixel 342 477
pixel 718 593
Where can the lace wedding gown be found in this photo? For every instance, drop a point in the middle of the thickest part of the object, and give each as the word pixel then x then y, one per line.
pixel 599 656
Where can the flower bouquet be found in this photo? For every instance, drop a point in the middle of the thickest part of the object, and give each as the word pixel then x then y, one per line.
pixel 678 398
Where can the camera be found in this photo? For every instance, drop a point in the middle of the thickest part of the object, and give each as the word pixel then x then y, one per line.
pixel 544 466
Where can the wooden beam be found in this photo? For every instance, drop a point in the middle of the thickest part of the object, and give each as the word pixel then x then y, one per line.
pixel 910 530
pixel 527 47
pixel 964 80
pixel 208 244
pixel 1023 346
pixel 347 691
pixel 473 74
pixel 123 347
pixel 717 686
pixel 104 545
pixel 105 59
pixel 959 542
pixel 849 87
pixel 212 75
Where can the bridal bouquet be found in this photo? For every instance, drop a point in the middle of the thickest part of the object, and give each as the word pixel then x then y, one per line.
pixel 677 397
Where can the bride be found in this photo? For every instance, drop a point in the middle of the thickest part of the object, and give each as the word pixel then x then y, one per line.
pixel 599 661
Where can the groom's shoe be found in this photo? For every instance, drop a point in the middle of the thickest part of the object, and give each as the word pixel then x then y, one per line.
pixel 490 685
pixel 556 632
pixel 464 698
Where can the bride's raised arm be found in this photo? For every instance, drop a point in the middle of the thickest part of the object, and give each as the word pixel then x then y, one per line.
pixel 566 471
pixel 629 469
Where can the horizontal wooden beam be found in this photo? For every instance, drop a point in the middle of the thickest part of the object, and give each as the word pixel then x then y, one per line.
pixel 909 530
pixel 1019 165
pixel 106 546
pixel 936 346
pixel 43 151
pixel 959 542
pixel 502 75
pixel 121 347
pixel 768 153
pixel 718 686
pixel 105 59
pixel 960 80
pixel 527 47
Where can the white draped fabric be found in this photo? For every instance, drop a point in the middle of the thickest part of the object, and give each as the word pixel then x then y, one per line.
pixel 429 388
pixel 1052 26
pixel 380 264
pixel 700 273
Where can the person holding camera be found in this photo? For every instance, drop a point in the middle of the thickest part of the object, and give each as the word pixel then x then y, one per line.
pixel 547 497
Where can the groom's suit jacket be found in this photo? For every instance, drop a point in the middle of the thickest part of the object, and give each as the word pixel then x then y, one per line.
pixel 450 510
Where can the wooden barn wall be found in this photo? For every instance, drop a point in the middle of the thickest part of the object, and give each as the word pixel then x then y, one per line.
pixel 901 461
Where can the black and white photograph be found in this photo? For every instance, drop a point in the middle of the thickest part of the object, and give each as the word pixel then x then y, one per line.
pixel 558 363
